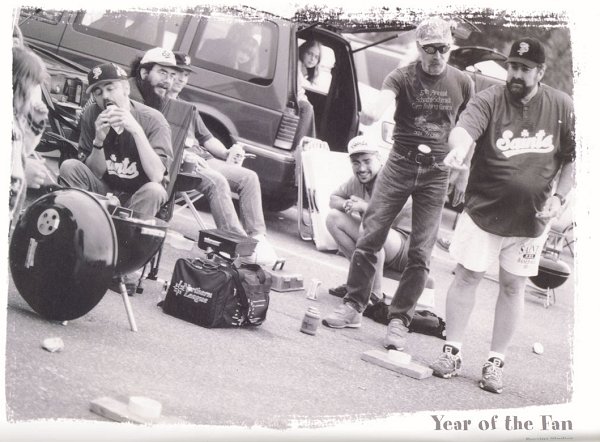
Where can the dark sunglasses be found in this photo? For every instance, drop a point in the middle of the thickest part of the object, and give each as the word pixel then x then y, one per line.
pixel 431 49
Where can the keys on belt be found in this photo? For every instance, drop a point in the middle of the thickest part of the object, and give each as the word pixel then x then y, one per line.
pixel 417 157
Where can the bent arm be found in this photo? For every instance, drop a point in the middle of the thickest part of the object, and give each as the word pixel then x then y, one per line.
pixel 375 110
pixel 151 162
pixel 336 202
pixel 565 179
pixel 216 148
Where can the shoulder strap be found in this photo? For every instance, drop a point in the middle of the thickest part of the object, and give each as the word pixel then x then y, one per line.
pixel 242 296
pixel 262 277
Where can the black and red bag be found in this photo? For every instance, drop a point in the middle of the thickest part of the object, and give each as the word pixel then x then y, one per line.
pixel 215 293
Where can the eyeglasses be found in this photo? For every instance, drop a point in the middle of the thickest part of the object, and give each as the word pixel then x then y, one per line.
pixel 431 49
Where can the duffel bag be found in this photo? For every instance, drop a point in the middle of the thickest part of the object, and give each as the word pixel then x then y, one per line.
pixel 204 292
pixel 254 285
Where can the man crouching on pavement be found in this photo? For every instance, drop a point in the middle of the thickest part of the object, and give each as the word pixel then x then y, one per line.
pixel 126 145
pixel 524 135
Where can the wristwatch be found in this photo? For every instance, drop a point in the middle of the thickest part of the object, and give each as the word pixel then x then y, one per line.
pixel 96 146
pixel 561 198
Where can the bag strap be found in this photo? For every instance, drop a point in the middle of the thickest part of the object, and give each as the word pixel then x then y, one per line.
pixel 260 273
pixel 243 297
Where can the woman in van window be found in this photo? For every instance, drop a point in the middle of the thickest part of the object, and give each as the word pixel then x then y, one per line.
pixel 310 57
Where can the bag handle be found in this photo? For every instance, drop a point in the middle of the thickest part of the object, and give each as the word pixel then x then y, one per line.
pixel 203 263
pixel 262 277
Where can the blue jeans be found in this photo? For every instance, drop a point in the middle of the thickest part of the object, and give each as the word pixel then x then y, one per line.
pixel 399 179
pixel 218 181
pixel 148 199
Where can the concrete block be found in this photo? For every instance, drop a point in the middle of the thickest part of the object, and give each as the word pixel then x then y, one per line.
pixel 118 411
pixel 411 369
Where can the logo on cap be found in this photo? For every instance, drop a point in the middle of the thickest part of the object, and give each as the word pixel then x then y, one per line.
pixel 523 48
pixel 97 71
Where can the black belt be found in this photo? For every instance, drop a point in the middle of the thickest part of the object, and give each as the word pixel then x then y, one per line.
pixel 415 156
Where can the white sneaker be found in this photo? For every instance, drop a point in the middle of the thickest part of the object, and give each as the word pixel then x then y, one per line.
pixel 264 253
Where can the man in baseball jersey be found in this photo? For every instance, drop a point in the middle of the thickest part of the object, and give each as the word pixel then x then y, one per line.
pixel 521 171
pixel 429 94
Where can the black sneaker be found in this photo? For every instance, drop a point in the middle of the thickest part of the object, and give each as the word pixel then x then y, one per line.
pixel 339 291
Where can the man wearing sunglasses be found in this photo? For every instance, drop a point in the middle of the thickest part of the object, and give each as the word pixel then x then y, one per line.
pixel 524 134
pixel 429 94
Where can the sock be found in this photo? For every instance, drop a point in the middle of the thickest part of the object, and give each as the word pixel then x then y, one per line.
pixel 493 354
pixel 456 346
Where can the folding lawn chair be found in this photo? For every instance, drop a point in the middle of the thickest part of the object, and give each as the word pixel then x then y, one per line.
pixel 179 115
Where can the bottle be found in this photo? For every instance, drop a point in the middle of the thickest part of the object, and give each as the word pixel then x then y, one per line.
pixel 236 155
pixel 310 321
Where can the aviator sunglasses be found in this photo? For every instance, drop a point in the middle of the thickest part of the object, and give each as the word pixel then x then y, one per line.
pixel 431 49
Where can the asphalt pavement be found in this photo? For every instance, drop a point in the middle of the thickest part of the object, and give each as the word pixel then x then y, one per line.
pixel 273 375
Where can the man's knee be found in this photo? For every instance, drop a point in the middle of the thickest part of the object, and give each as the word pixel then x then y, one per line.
pixel 333 220
pixel 214 185
pixel 511 285
pixel 70 168
pixel 250 180
pixel 467 277
pixel 153 191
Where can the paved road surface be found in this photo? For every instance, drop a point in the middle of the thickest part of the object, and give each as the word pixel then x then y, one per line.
pixel 272 375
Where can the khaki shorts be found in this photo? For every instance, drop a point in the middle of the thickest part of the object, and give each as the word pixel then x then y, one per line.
pixel 476 250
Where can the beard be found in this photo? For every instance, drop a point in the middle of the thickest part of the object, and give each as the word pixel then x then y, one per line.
pixel 518 89
pixel 151 98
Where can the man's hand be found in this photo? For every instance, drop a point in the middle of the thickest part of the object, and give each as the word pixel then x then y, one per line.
pixel 35 172
pixel 190 157
pixel 355 204
pixel 458 184
pixel 551 208
pixel 456 159
pixel 118 117
pixel 102 125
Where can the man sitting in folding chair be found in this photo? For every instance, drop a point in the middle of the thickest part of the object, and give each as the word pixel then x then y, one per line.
pixel 160 74
pixel 126 146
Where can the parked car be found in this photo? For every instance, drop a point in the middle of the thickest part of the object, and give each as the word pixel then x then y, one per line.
pixel 255 105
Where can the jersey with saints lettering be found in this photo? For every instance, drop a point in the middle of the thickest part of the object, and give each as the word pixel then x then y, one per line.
pixel 519 150
pixel 124 170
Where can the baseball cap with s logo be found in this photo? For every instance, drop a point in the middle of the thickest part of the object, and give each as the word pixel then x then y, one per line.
pixel 527 51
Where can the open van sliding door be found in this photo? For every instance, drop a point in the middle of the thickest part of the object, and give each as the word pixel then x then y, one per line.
pixel 335 99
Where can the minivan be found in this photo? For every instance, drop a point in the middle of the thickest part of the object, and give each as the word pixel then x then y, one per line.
pixel 255 105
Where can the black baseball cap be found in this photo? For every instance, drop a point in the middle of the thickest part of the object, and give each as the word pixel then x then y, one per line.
pixel 528 51
pixel 183 61
pixel 105 73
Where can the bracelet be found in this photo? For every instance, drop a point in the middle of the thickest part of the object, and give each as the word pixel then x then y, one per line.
pixel 96 146
pixel 561 198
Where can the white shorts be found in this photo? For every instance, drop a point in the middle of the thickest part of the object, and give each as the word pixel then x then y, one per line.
pixel 476 250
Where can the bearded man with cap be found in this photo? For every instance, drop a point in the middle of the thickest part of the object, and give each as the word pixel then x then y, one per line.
pixel 125 145
pixel 157 79
pixel 520 174
pixel 429 95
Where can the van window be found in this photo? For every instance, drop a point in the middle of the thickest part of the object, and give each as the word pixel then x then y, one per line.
pixel 140 30
pixel 320 84
pixel 236 47
pixel 51 17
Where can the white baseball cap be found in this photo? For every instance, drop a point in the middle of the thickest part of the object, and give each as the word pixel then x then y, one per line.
pixel 360 144
pixel 161 56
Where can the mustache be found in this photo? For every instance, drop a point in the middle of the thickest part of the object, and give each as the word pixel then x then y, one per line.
pixel 516 81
